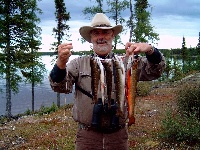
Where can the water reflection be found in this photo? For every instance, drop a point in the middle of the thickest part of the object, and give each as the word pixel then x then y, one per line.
pixel 44 96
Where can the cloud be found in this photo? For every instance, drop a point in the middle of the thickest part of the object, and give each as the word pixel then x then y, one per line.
pixel 185 8
pixel 172 19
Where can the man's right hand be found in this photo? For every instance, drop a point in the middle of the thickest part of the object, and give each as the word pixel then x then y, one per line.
pixel 63 54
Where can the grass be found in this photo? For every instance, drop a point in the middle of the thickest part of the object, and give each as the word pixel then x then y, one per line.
pixel 52 131
pixel 57 130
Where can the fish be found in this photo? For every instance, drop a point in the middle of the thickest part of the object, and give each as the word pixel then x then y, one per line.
pixel 95 75
pixel 102 83
pixel 107 67
pixel 119 85
pixel 131 87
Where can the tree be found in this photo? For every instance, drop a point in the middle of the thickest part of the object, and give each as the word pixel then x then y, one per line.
pixel 130 22
pixel 18 35
pixel 143 31
pixel 60 31
pixel 89 12
pixel 184 54
pixel 115 9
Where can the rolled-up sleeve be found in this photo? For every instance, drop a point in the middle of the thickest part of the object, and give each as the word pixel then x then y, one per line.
pixel 151 67
pixel 62 80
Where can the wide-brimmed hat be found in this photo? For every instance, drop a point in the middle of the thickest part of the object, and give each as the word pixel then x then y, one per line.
pixel 100 21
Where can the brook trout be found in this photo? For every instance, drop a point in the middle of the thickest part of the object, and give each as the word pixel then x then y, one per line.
pixel 108 71
pixel 131 87
pixel 102 83
pixel 119 85
pixel 95 75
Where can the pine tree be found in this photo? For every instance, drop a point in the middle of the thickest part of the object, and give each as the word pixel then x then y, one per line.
pixel 130 22
pixel 198 45
pixel 143 31
pixel 116 7
pixel 18 35
pixel 184 53
pixel 89 12
pixel 60 32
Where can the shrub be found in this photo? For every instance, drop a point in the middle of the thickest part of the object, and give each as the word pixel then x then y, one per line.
pixel 188 100
pixel 143 88
pixel 180 129
pixel 184 126
pixel 28 112
pixel 48 110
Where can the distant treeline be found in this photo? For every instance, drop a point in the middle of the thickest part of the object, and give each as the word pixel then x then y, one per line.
pixel 166 52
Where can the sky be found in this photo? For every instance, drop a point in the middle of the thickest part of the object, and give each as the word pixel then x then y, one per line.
pixel 171 19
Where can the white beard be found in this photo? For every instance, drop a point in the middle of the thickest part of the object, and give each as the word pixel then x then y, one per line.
pixel 102 49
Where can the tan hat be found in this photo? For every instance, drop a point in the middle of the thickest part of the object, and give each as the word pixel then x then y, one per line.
pixel 100 21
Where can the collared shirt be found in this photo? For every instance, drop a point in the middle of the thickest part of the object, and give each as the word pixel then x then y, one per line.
pixel 78 72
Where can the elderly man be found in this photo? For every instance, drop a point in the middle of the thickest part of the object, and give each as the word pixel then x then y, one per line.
pixel 95 117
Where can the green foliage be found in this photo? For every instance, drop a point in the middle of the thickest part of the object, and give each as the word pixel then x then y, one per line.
pixel 183 127
pixel 115 9
pixel 143 88
pixel 47 110
pixel 89 12
pixel 143 31
pixel 173 71
pixel 61 30
pixel 188 100
pixel 3 119
pixel 176 128
pixel 19 36
pixel 192 64
pixel 28 112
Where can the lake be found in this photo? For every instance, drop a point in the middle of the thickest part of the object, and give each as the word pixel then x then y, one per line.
pixel 44 96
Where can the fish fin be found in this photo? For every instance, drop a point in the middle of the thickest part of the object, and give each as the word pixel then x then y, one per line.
pixel 131 121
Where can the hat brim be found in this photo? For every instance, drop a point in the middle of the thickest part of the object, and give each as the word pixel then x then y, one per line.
pixel 85 31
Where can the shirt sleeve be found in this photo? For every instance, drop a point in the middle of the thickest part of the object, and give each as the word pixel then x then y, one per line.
pixel 57 74
pixel 155 57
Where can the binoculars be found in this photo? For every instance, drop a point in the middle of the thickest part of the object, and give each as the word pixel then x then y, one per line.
pixel 100 112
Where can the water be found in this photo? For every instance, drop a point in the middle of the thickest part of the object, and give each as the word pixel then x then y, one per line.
pixel 44 96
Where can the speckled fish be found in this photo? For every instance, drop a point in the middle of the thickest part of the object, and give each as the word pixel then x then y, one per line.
pixel 108 71
pixel 95 75
pixel 102 83
pixel 119 85
pixel 131 90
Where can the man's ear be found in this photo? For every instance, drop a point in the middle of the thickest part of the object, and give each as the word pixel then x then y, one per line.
pixel 113 35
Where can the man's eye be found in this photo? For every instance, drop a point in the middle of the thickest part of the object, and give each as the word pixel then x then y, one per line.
pixel 95 33
pixel 105 32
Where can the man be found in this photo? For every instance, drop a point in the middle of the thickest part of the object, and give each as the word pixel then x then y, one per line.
pixel 90 134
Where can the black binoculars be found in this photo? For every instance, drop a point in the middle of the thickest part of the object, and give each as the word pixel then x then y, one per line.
pixel 100 111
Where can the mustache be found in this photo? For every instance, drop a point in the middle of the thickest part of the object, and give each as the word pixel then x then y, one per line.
pixel 99 41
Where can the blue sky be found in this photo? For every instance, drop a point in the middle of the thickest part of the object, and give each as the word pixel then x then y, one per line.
pixel 172 19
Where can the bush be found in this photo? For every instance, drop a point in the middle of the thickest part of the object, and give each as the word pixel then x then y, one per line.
pixel 28 112
pixel 143 88
pixel 47 110
pixel 183 126
pixel 188 100
pixel 180 129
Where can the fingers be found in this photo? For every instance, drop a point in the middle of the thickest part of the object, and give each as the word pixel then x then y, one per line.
pixel 131 48
pixel 64 52
pixel 65 48
pixel 135 48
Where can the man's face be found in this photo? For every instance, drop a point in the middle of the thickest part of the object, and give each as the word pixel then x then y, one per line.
pixel 102 41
